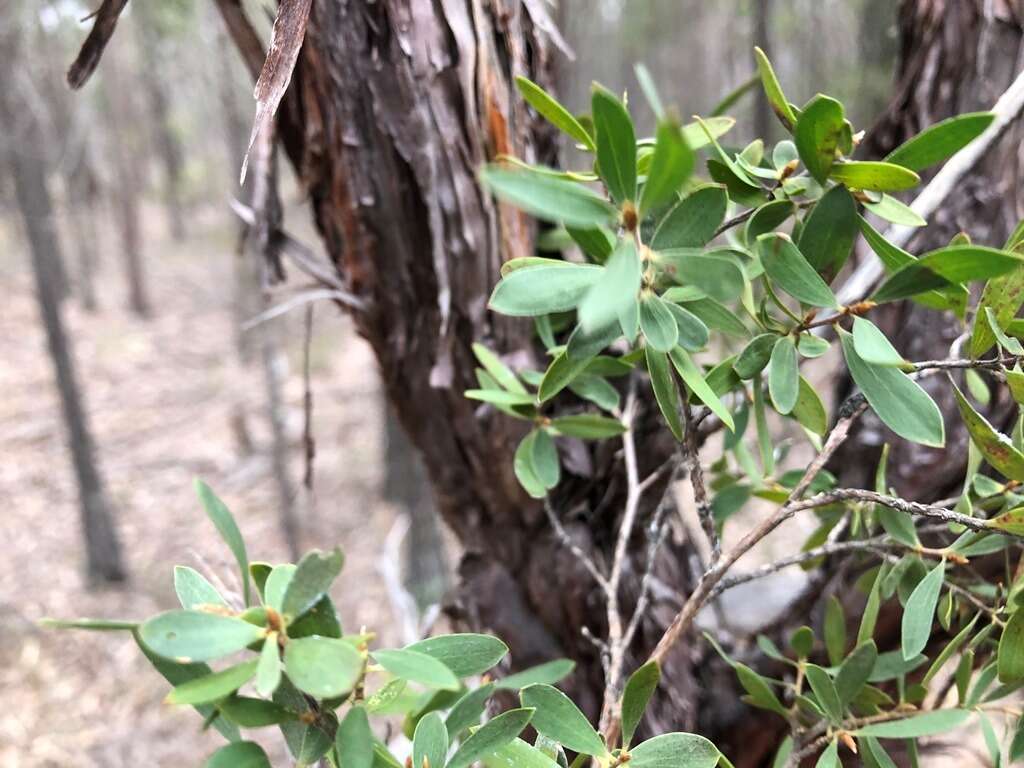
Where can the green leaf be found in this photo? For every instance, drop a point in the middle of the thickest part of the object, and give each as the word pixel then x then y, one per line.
pixel 773 91
pixel 322 667
pixel 552 111
pixel 615 291
pixel 93 625
pixel 186 636
pixel 768 217
pixel 809 411
pixel 719 276
pixel 430 742
pixel 712 314
pixel 947 653
pixel 854 671
pixel 825 692
pixel 698 385
pixel 313 577
pixel 240 754
pixel 817 134
pixel 596 242
pixel 693 333
pixel 464 654
pixel 492 736
pixel 874 176
pixel 564 369
pixel 1010 344
pixel 941 141
pixel 588 426
pixel 894 259
pixel 499 397
pixel 518 754
pixel 549 672
pixel 193 589
pixel 913 727
pixel 944 267
pixel 1010 659
pixel 658 323
pixel 501 372
pixel 417 667
pixel 828 233
pixel 919 612
pixel 177 673
pixel 787 267
pixel 354 740
pixel 638 691
pixel 1004 296
pixel 544 459
pixel 1011 522
pixel 542 290
pixel 558 718
pixel 268 672
pixel 670 167
pixel 248 712
pixel 549 198
pixel 217 685
pixel 277 584
pixel 997 449
pixel 829 758
pixel 226 526
pixel 898 400
pixel 783 375
pixel 755 356
pixel 468 710
pixel 872 345
pixel 321 619
pixel 692 222
pixel 616 144
pixel 835 631
pixel 665 391
pixel 891 209
pixel 696 133
pixel 675 750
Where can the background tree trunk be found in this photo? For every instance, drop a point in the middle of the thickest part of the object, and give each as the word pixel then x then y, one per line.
pixel 28 171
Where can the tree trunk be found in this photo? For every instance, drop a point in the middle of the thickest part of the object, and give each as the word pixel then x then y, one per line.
pixel 28 171
pixel 82 187
pixel 121 125
pixel 153 76
pixel 389 116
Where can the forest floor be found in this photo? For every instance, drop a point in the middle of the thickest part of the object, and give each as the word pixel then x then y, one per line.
pixel 163 396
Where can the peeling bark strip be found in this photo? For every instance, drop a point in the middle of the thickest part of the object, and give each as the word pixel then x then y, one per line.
pixel 92 49
pixel 285 43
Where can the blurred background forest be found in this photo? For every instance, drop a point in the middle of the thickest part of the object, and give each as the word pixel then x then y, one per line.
pixel 185 365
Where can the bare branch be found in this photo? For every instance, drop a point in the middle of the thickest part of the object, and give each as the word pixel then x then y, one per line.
pixel 103 26
pixel 700 492
pixel 572 546
pixel 702 592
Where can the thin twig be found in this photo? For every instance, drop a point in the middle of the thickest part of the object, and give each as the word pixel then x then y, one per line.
pixel 700 492
pixel 572 546
pixel 294 302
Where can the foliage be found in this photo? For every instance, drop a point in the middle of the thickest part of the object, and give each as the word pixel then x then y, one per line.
pixel 285 661
pixel 717 292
